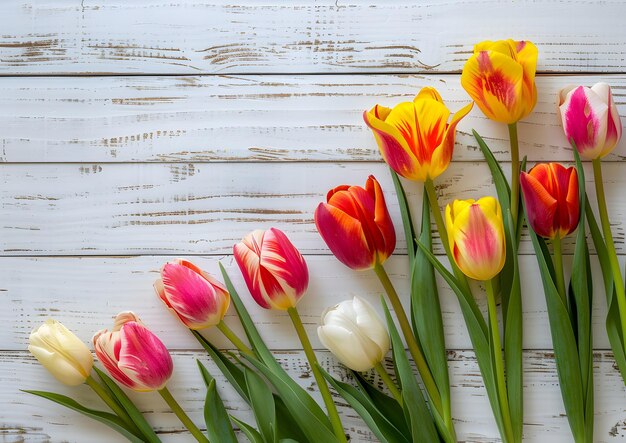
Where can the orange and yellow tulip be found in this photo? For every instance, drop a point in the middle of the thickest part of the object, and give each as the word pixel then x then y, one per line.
pixel 355 224
pixel 415 138
pixel 500 78
pixel 551 198
pixel 476 236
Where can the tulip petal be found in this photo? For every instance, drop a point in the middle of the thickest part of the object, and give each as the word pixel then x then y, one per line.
pixel 382 220
pixel 540 205
pixel 344 236
pixel 107 346
pixel 614 124
pixel 442 155
pixel 428 93
pixel 527 55
pixel 354 350
pixel 584 115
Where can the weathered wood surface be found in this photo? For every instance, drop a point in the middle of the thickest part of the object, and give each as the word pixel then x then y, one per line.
pixel 189 208
pixel 30 419
pixel 248 118
pixel 87 292
pixel 157 36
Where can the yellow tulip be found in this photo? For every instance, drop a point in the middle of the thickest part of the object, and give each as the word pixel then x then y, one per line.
pixel 500 78
pixel 476 236
pixel 415 138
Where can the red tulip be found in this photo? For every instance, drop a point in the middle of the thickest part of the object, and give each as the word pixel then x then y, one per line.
pixel 355 224
pixel 133 355
pixel 551 199
pixel 274 270
pixel 197 299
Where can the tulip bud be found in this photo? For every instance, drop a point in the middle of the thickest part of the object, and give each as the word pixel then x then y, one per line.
pixel 355 224
pixel 63 354
pixel 415 138
pixel 500 78
pixel 476 235
pixel 590 119
pixel 133 355
pixel 355 334
pixel 551 199
pixel 274 270
pixel 197 299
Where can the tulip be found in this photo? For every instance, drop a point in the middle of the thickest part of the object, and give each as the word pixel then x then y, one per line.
pixel 476 236
pixel 274 270
pixel 355 334
pixel 415 138
pixel 63 354
pixel 551 198
pixel 500 78
pixel 195 297
pixel 355 224
pixel 133 355
pixel 590 119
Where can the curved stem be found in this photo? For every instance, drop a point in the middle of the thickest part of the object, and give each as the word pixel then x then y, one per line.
pixel 405 326
pixel 333 415
pixel 111 403
pixel 384 376
pixel 234 339
pixel 182 416
pixel 558 267
pixel 515 171
pixel 498 361
pixel 610 246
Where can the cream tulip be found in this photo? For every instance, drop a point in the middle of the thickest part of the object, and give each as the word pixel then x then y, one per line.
pixel 61 352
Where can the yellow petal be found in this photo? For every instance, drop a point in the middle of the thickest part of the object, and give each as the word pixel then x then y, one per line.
pixel 527 55
pixel 428 93
pixel 443 154
pixel 505 47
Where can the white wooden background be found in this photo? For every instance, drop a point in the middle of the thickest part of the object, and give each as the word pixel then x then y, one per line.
pixel 134 131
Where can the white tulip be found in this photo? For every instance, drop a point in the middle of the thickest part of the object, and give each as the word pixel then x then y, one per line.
pixel 355 334
pixel 62 353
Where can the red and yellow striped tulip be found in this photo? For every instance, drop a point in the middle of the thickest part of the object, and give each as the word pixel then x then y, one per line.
pixel 476 235
pixel 551 198
pixel 195 297
pixel 590 119
pixel 133 355
pixel 415 138
pixel 274 270
pixel 355 224
pixel 500 78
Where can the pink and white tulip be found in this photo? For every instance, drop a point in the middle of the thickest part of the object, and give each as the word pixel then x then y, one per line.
pixel 195 297
pixel 274 270
pixel 133 355
pixel 590 118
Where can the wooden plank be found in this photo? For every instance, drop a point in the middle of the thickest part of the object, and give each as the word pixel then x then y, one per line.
pixel 85 293
pixel 247 118
pixel 35 420
pixel 133 209
pixel 186 36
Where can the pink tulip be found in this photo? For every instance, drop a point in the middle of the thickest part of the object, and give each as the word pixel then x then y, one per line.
pixel 133 355
pixel 590 119
pixel 197 299
pixel 274 270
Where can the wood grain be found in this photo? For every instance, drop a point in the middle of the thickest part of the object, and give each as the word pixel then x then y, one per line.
pixel 189 208
pixel 29 419
pixel 86 293
pixel 249 118
pixel 185 36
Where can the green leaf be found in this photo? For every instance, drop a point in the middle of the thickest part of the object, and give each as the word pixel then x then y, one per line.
pixel 262 403
pixel 111 420
pixel 300 404
pixel 405 212
pixel 253 435
pixel 378 423
pixel 127 404
pixel 416 412
pixel 215 415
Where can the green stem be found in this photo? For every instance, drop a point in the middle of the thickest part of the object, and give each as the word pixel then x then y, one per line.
pixel 610 246
pixel 405 326
pixel 234 339
pixel 333 415
pixel 111 403
pixel 558 267
pixel 515 171
pixel 182 416
pixel 499 361
pixel 384 376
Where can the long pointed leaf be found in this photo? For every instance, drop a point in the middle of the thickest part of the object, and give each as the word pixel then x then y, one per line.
pixel 407 221
pixel 263 407
pixel 215 415
pixel 252 434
